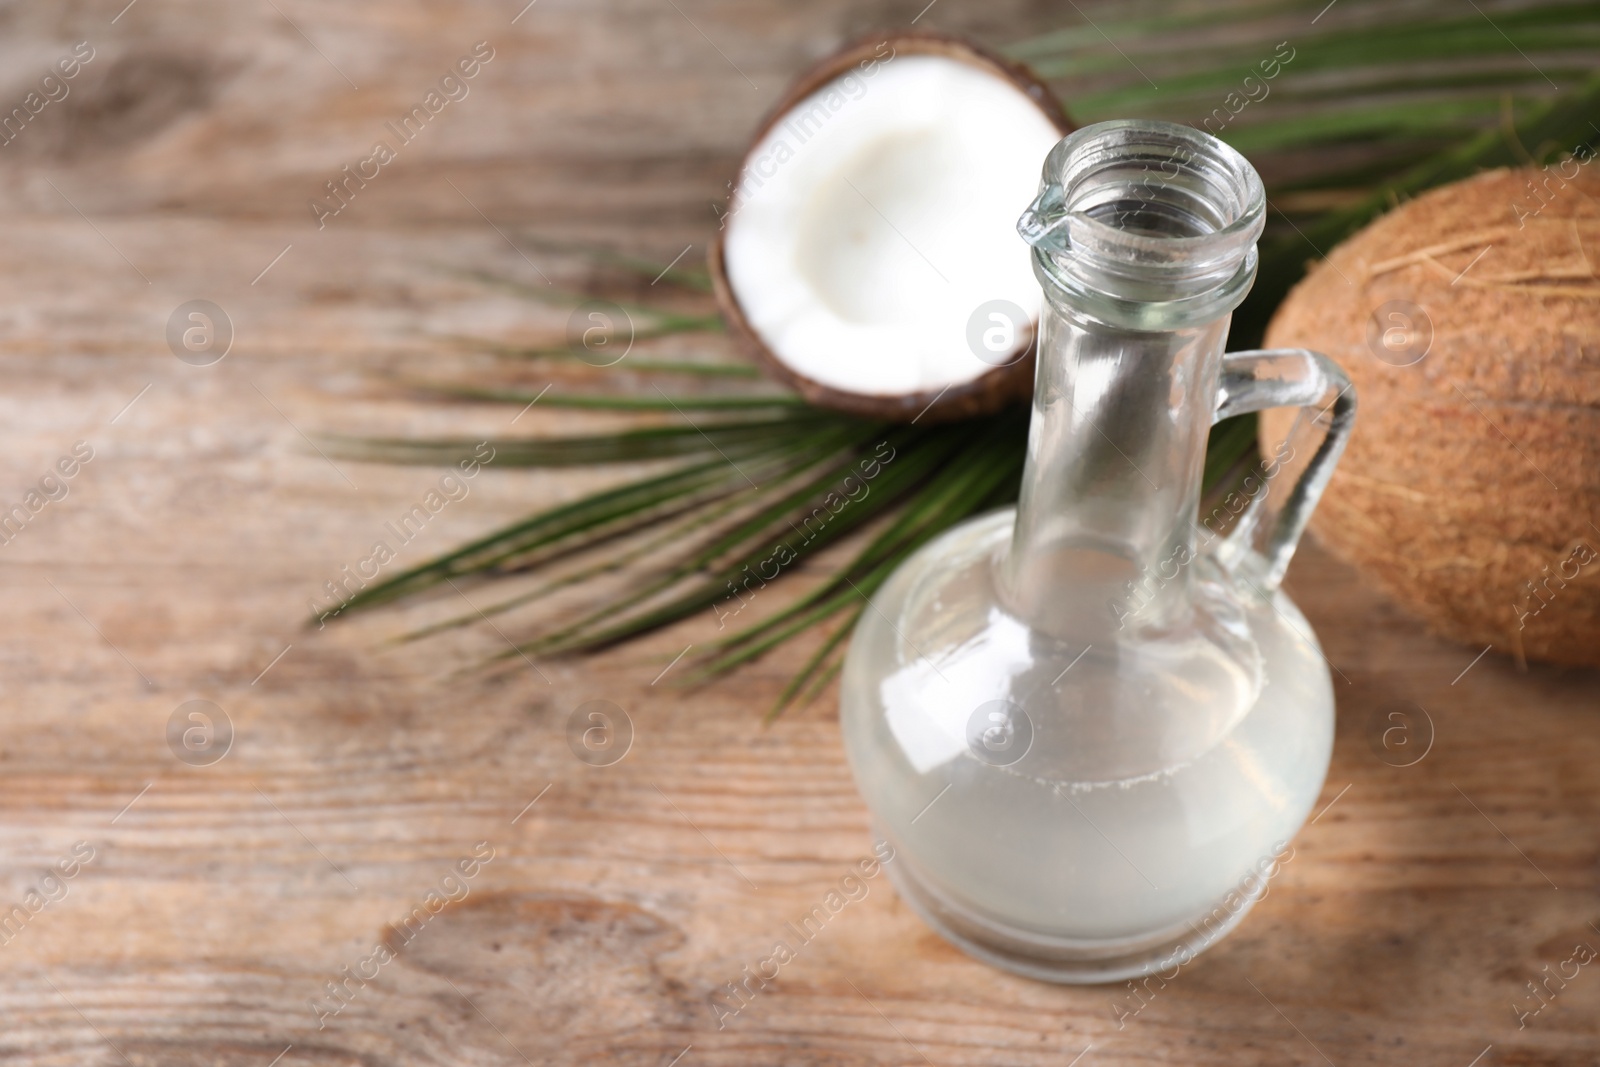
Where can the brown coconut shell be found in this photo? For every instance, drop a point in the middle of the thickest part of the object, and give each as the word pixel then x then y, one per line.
pixel 985 394
pixel 1471 487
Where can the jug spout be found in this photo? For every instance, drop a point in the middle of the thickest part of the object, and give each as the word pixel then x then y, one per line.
pixel 1044 223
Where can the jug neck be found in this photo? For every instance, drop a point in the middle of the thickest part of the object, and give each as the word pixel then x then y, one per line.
pixel 1105 537
pixel 1144 242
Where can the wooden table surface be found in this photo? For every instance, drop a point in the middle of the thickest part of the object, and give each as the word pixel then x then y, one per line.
pixel 209 907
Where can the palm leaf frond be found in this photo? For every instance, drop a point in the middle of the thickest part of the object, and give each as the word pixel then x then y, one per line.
pixel 1379 102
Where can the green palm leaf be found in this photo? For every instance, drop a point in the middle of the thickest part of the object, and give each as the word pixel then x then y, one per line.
pixel 1377 104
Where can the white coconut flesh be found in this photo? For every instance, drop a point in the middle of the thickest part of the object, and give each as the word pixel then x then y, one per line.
pixel 878 215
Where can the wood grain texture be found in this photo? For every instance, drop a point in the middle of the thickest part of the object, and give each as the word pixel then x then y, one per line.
pixel 221 900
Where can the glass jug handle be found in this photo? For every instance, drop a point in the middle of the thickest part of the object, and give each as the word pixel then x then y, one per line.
pixel 1271 378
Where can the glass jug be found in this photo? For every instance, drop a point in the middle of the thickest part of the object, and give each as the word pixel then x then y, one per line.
pixel 1089 726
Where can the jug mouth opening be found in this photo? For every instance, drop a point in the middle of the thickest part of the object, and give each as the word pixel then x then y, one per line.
pixel 1147 213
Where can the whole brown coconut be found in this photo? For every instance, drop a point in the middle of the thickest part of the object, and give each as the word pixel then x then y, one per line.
pixel 1469 322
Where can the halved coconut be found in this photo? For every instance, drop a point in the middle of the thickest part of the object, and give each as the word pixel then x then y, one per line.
pixel 869 257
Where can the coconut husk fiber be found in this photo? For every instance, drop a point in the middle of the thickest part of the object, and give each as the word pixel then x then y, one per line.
pixel 1470 491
